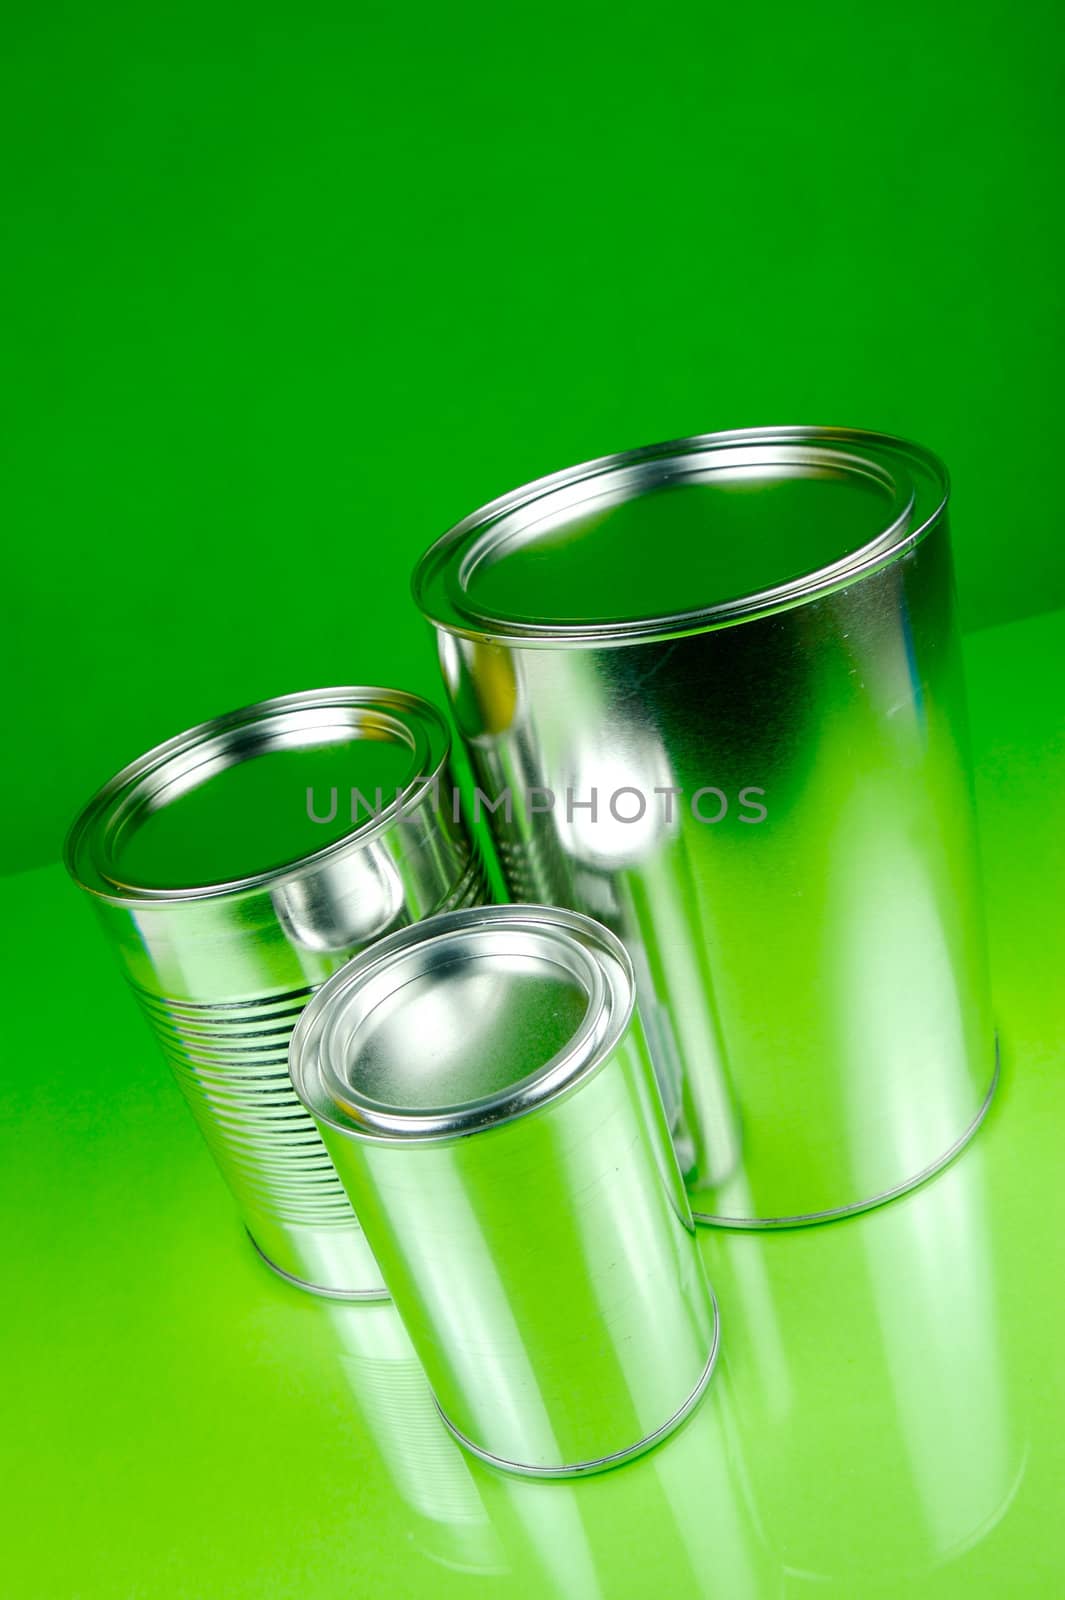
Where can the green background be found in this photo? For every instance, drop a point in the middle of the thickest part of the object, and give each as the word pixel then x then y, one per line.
pixel 290 289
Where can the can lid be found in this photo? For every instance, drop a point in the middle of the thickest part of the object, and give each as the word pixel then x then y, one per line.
pixel 259 793
pixel 680 536
pixel 463 1021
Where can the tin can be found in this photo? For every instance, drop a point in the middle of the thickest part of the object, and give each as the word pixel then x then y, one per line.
pixel 483 1085
pixel 712 695
pixel 234 868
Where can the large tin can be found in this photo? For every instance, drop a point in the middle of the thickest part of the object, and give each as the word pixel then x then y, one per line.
pixel 234 868
pixel 711 691
pixel 483 1085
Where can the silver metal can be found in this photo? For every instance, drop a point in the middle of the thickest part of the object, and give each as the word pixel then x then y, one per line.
pixel 483 1085
pixel 232 879
pixel 712 694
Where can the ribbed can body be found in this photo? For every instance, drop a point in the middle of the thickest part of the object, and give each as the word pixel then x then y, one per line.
pixel 782 829
pixel 544 1261
pixel 223 974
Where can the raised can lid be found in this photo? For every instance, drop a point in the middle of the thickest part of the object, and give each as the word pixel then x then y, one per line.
pixel 224 807
pixel 461 1022
pixel 681 536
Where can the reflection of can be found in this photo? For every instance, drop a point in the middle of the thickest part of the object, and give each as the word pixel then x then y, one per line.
pixel 483 1085
pixel 926 1406
pixel 448 1522
pixel 712 690
pixel 234 868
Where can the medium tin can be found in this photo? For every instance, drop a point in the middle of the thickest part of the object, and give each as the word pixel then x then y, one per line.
pixel 483 1085
pixel 236 867
pixel 712 695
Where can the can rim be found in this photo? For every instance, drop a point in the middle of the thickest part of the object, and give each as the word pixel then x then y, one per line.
pixel 86 838
pixel 583 1469
pixel 577 940
pixel 438 580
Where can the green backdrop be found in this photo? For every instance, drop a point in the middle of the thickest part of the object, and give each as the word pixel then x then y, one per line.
pixel 289 289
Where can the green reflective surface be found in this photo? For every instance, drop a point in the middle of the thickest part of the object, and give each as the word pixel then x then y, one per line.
pixel 888 1416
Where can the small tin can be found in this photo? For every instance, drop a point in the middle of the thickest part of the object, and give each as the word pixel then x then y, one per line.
pixel 483 1085
pixel 234 868
pixel 712 695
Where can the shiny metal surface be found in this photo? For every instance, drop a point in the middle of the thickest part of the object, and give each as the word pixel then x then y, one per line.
pixel 228 905
pixel 501 1135
pixel 743 650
